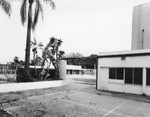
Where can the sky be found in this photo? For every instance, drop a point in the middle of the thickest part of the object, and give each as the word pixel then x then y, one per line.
pixel 85 26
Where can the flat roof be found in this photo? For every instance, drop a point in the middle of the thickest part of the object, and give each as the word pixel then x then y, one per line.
pixel 143 4
pixel 143 52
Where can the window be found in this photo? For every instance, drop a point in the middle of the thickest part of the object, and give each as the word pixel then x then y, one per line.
pixel 133 76
pixel 71 72
pixel 148 76
pixel 67 71
pixel 129 75
pixel 112 73
pixel 138 76
pixel 119 73
pixel 123 58
pixel 116 73
pixel 77 71
pixel 83 72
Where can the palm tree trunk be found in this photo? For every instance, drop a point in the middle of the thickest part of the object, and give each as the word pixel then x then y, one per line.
pixel 27 54
pixel 57 68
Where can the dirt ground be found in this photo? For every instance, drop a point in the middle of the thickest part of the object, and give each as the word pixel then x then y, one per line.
pixel 78 99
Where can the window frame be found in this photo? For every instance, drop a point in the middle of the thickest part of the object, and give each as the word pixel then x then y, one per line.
pixel 134 73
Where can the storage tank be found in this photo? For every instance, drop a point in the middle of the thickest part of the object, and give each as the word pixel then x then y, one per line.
pixel 62 69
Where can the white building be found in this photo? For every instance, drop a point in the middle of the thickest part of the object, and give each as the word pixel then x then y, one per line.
pixel 76 71
pixel 124 71
pixel 141 27
pixel 129 71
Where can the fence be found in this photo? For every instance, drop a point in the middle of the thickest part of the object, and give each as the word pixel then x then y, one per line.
pixel 81 73
pixel 8 69
pixel 7 72
pixel 72 71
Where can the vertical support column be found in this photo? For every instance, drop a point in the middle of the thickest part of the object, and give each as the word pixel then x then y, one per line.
pixel 142 41
pixel 62 69
pixel 144 80
pixel 97 73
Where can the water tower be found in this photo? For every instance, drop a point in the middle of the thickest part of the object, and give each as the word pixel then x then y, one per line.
pixel 141 27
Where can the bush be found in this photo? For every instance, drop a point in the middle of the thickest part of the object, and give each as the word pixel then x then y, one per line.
pixel 34 75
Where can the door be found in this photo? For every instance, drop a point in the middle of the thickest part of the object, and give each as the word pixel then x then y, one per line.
pixel 103 78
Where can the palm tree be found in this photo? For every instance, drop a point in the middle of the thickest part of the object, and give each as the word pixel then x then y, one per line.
pixel 31 24
pixel 5 6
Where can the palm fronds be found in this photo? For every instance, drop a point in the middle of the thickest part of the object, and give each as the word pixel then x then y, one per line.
pixel 59 42
pixel 61 53
pixel 38 10
pixel 52 4
pixel 36 45
pixel 6 7
pixel 23 12
pixel 34 42
pixel 51 42
pixel 40 45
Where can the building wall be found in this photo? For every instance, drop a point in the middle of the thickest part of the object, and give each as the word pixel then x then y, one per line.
pixel 141 27
pixel 104 83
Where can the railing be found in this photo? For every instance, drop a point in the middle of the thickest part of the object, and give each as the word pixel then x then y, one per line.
pixel 7 72
pixel 81 73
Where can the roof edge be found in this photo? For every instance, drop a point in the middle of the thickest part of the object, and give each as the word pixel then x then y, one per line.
pixel 125 53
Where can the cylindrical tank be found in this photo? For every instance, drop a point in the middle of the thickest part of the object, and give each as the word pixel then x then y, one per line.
pixel 62 69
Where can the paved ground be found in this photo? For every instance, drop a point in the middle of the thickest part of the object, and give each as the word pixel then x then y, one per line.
pixel 79 99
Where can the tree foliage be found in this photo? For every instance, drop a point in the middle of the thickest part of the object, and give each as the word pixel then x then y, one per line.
pixel 74 55
pixel 85 62
pixel 50 55
pixel 32 19
pixel 5 5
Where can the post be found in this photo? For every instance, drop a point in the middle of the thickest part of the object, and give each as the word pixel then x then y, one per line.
pixel 144 81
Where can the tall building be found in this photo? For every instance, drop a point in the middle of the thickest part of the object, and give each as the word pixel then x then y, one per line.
pixel 141 27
